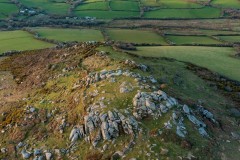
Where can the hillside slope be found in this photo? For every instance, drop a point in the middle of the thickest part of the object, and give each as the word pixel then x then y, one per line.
pixel 83 103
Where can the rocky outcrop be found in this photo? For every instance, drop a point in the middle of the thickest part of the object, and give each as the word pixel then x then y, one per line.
pixel 25 154
pixel 152 104
pixel 106 125
pixel 156 103
pixel 103 124
pixel 92 78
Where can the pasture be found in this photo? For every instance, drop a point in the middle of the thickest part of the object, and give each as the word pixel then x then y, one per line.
pixel 107 14
pixel 179 4
pixel 171 3
pixel 217 59
pixel 227 3
pixel 189 31
pixel 231 39
pixel 124 5
pixel 7 9
pixel 51 7
pixel 135 36
pixel 93 6
pixel 181 40
pixel 63 35
pixel 20 40
pixel 206 12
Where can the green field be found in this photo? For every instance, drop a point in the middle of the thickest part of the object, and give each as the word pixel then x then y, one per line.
pixel 218 32
pixel 51 7
pixel 4 1
pixel 93 6
pixel 7 9
pixel 80 35
pixel 92 1
pixel 206 12
pixel 171 3
pixel 227 3
pixel 180 40
pixel 180 31
pixel 2 16
pixel 107 14
pixel 230 38
pixel 217 59
pixel 135 36
pixel 124 5
pixel 20 40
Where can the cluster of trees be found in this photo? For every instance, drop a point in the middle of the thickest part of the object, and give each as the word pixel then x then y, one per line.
pixel 234 13
pixel 46 20
pixel 125 46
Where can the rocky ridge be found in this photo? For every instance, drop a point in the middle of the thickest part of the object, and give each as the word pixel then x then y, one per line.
pixel 102 125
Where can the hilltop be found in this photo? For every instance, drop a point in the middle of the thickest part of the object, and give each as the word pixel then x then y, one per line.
pixel 119 79
pixel 81 102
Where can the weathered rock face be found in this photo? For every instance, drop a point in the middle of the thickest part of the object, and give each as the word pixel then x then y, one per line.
pixel 48 155
pixel 206 114
pixel 25 154
pixel 148 104
pixel 37 152
pixel 134 64
pixel 92 78
pixel 157 103
pixel 152 104
pixel 107 126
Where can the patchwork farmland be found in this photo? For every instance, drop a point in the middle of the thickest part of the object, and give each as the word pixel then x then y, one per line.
pixel 64 35
pixel 19 41
pixel 119 79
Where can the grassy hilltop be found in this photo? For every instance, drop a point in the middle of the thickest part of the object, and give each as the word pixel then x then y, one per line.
pixel 119 79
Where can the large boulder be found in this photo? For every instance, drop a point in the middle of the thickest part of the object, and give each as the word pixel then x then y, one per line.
pixel 150 104
pixel 74 130
pixel 163 108
pixel 117 155
pixel 186 109
pixel 25 154
pixel 37 152
pixel 203 132
pixel 48 155
pixel 75 137
pixel 195 121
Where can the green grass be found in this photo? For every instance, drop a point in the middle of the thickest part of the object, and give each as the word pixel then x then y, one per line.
pixel 179 4
pixel 124 6
pixel 107 14
pixel 150 3
pixel 217 59
pixel 218 32
pixel 2 16
pixel 227 3
pixel 48 6
pixel 4 1
pixel 7 9
pixel 180 40
pixel 135 36
pixel 230 38
pixel 20 40
pixel 184 13
pixel 188 31
pixel 90 1
pixel 93 6
pixel 80 35
pixel 171 3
